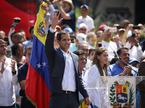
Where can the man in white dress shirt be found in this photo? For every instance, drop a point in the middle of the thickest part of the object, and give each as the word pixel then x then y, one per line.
pixel 8 78
pixel 64 75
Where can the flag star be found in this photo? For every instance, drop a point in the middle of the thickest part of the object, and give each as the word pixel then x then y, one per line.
pixel 44 64
pixel 38 65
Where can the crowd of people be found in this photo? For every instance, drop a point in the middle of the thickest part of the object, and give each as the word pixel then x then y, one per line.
pixel 76 49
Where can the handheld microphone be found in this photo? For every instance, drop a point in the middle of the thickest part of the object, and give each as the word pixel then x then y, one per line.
pixel 127 64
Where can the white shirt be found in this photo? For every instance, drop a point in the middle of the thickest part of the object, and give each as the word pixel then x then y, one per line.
pixel 87 20
pixel 87 66
pixel 68 82
pixel 7 82
pixel 136 53
pixel 111 49
pixel 96 87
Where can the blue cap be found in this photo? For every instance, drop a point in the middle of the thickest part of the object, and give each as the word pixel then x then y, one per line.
pixel 68 30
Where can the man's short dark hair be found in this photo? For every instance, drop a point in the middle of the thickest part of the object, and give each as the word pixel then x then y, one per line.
pixel 120 50
pixel 60 34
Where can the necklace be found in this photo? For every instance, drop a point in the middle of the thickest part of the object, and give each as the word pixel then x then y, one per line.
pixel 104 73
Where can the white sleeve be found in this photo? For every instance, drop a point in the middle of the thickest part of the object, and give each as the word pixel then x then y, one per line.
pixel 78 22
pixel 140 53
pixel 90 78
pixel 15 79
pixel 91 24
pixel 12 30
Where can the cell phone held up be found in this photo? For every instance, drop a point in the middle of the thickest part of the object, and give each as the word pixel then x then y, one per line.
pixel 16 21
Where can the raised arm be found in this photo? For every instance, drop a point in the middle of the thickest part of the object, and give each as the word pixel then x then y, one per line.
pixel 49 45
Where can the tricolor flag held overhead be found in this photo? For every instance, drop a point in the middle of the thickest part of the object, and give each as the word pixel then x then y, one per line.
pixel 37 81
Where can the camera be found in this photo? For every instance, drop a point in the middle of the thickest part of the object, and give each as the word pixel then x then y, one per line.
pixel 16 21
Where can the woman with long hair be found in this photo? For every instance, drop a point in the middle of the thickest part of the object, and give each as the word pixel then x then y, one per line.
pixel 94 79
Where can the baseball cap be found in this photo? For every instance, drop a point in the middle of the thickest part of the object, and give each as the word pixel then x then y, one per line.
pixel 68 30
pixel 84 6
pixel 81 37
pixel 82 25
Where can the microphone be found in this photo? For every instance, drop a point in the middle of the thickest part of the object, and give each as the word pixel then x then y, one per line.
pixel 127 64
pixel 132 68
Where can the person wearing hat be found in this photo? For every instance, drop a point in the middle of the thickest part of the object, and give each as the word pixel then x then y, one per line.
pixel 82 28
pixel 85 18
pixel 66 10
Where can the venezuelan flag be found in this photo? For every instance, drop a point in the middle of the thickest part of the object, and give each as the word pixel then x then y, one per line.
pixel 37 81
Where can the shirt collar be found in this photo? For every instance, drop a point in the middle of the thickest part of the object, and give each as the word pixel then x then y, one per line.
pixel 65 52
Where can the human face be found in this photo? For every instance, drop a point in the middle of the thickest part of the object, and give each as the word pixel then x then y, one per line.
pixel 92 41
pixel 103 58
pixel 99 35
pixel 137 33
pixel 65 41
pixel 124 56
pixel 84 12
pixel 84 48
pixel 15 39
pixel 2 34
pixel 3 49
pixel 66 6
pixel 107 35
pixel 28 54
pixel 82 30
pixel 82 61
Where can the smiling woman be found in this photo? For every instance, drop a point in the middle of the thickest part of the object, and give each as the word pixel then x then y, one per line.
pixel 94 78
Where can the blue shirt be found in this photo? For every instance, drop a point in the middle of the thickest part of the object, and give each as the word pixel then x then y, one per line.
pixel 114 69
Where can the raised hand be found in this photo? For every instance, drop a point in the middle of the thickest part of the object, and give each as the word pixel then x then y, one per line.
pixel 55 20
